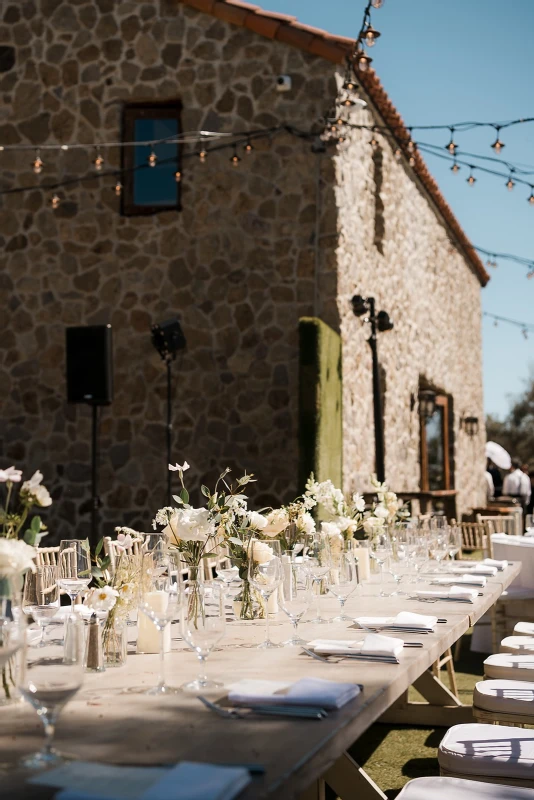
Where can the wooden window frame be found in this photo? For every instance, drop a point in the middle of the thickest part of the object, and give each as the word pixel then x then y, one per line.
pixel 171 109
pixel 442 401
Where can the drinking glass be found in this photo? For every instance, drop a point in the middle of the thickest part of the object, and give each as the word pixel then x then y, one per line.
pixel 74 567
pixel 438 523
pixel 48 683
pixel 159 598
pixel 203 625
pixel 343 580
pixel 11 638
pixel 317 561
pixel 294 594
pixel 439 547
pixel 41 596
pixel 455 542
pixel 226 570
pixel 265 576
pixel 380 549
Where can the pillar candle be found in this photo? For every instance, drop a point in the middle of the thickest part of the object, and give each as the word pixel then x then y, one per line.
pixel 364 565
pixel 148 636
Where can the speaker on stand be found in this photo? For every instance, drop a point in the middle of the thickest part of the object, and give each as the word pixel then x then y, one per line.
pixel 89 353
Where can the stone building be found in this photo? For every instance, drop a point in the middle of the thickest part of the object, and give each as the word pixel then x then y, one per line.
pixel 245 252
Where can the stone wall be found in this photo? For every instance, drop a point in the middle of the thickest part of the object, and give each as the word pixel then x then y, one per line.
pixel 424 283
pixel 237 264
pixel 255 248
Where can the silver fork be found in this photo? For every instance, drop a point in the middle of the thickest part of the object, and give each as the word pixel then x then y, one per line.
pixel 301 712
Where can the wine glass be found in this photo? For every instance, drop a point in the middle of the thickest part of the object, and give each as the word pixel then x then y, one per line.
pixel 74 567
pixel 203 620
pixel 265 576
pixel 455 542
pixel 439 547
pixel 158 600
pixel 41 596
pixel 294 594
pixel 11 638
pixel 380 550
pixel 343 580
pixel 317 561
pixel 225 569
pixel 48 683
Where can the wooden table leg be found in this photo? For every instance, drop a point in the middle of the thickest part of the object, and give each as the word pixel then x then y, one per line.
pixel 348 780
pixel 443 708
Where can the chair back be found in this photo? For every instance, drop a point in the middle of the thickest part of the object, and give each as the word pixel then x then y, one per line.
pixel 501 523
pixel 112 549
pixel 46 556
pixel 476 536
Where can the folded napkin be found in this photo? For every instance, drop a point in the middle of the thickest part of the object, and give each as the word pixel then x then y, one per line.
pixel 185 781
pixel 493 562
pixel 404 620
pixel 374 645
pixel 454 593
pixel 63 612
pixel 470 578
pixel 304 692
pixel 477 569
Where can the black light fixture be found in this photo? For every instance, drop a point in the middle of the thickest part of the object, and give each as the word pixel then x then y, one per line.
pixel 380 323
pixel 168 338
pixel 470 425
pixel 427 403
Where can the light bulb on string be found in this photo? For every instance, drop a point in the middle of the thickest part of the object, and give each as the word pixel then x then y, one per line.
pixel 510 183
pixel 349 85
pixel 362 61
pixel 99 162
pixel 333 127
pixel 398 154
pixel 411 160
pixel 202 155
pixel 37 163
pixel 455 168
pixel 374 142
pixel 347 102
pixel 234 160
pixel 471 180
pixel 452 147
pixel 55 201
pixel 497 144
pixel 152 159
pixel 530 274
pixel 377 3
pixel 531 198
pixel 248 147
pixel 411 144
pixel 370 35
pixel 118 188
pixel 178 176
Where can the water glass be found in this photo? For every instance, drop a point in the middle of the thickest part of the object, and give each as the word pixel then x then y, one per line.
pixel 343 580
pixel 380 550
pixel 74 567
pixel 439 546
pixel 317 560
pixel 11 638
pixel 203 620
pixel 294 594
pixel 49 681
pixel 455 542
pixel 265 576
pixel 41 596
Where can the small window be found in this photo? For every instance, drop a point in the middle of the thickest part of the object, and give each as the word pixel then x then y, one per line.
pixel 435 450
pixel 146 189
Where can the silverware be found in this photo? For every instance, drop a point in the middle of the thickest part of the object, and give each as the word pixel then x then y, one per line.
pixel 300 712
pixel 335 658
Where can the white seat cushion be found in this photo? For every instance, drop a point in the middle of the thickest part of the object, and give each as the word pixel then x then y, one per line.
pixel 517 644
pixel 524 629
pixel 459 789
pixel 510 697
pixel 510 667
pixel 490 750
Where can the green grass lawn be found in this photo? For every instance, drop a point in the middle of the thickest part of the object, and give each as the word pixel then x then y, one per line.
pixel 393 754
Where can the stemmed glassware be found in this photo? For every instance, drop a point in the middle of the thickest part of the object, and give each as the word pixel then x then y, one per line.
pixel 343 580
pixel 203 626
pixel 455 542
pixel 49 681
pixel 41 596
pixel 294 595
pixel 380 550
pixel 317 560
pixel 439 546
pixel 74 566
pixel 159 600
pixel 265 576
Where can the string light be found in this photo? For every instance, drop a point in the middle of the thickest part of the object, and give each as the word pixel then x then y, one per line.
pixel 370 36
pixel 234 160
pixel 374 142
pixel 411 161
pixel 118 188
pixel 497 144
pixel 510 184
pixel 99 162
pixel 455 168
pixel 152 159
pixel 525 327
pixel 202 155
pixel 347 102
pixel 178 176
pixel 411 144
pixel 530 274
pixel 248 146
pixel 531 198
pixel 362 61
pixel 398 154
pixel 37 163
pixel 471 180
pixel 55 201
pixel 452 147
pixel 377 3
pixel 349 85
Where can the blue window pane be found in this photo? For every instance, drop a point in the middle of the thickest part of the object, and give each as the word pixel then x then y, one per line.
pixel 155 186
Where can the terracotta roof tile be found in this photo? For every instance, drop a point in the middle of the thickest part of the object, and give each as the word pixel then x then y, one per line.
pixel 287 29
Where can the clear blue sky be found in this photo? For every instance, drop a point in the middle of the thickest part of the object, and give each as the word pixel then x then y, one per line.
pixel 444 61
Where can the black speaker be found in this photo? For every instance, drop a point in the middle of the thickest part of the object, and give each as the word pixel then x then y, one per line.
pixel 90 365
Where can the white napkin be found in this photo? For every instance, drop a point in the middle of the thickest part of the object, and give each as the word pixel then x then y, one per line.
pixel 185 781
pixel 374 645
pixel 493 562
pixel 304 692
pixel 63 612
pixel 478 569
pixel 404 619
pixel 454 593
pixel 469 578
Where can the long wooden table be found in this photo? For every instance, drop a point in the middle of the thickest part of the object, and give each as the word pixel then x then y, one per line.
pixel 103 724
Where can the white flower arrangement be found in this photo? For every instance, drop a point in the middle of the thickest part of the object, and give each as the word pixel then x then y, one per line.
pixel 16 558
pixel 31 493
pixel 101 598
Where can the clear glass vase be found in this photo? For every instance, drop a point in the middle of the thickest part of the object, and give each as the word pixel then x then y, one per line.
pixel 10 607
pixel 115 642
pixel 245 603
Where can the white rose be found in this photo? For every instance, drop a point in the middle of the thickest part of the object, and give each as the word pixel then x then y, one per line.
pixel 381 512
pixel 330 528
pixel 101 599
pixel 16 557
pixel 190 525
pixel 277 521
pixel 261 552
pixel 306 523
pixel 256 520
pixel 372 525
